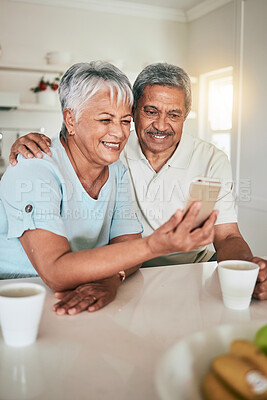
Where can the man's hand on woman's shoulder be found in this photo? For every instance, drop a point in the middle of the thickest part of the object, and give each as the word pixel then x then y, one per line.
pixel 30 146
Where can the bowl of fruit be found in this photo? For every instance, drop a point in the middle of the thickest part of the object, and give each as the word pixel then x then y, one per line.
pixel 228 362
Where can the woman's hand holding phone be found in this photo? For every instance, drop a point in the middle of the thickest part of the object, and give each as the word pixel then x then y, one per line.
pixel 205 190
pixel 178 233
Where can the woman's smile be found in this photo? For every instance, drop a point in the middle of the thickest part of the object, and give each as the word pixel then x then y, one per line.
pixel 111 145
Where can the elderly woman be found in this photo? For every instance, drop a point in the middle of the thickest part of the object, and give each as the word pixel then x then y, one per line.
pixel 69 218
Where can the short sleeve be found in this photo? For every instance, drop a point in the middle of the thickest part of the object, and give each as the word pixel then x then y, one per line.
pixel 124 220
pixel 31 196
pixel 221 169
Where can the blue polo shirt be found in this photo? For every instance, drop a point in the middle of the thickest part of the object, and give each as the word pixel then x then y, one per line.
pixel 47 194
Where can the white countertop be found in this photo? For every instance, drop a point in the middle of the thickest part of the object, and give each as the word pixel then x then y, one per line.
pixel 112 354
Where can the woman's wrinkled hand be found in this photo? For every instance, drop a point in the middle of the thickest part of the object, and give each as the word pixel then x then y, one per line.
pixel 30 146
pixel 178 235
pixel 89 296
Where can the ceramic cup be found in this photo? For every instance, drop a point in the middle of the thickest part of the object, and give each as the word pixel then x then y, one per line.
pixel 237 280
pixel 21 306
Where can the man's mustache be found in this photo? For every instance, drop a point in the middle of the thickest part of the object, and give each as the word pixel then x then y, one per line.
pixel 157 132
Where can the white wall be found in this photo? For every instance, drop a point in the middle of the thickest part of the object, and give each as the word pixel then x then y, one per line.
pixel 211 41
pixel 29 31
pixel 253 127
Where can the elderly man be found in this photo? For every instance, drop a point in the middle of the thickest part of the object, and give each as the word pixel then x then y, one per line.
pixel 162 161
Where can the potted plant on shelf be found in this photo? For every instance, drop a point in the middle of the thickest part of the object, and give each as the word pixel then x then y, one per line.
pixel 46 91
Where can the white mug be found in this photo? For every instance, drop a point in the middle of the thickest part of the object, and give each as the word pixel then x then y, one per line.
pixel 237 280
pixel 21 306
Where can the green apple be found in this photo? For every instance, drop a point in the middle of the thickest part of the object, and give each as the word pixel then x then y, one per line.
pixel 260 339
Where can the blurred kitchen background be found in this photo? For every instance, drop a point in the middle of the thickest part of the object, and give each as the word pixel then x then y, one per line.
pixel 220 43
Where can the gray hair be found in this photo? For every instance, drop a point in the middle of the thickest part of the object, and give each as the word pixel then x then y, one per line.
pixel 81 81
pixel 165 75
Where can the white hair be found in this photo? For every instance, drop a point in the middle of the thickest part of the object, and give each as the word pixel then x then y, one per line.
pixel 165 75
pixel 81 81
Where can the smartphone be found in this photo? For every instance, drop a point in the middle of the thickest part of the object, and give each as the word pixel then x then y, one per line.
pixel 205 190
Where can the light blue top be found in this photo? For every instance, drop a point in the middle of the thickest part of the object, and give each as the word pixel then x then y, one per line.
pixel 47 194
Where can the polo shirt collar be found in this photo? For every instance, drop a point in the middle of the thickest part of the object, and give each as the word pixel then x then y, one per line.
pixel 133 149
pixel 182 156
pixel 180 159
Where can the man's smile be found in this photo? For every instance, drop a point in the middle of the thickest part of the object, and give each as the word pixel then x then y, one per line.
pixel 158 134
